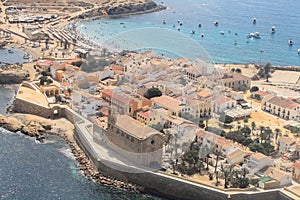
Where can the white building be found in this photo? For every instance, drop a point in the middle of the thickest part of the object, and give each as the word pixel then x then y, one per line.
pixel 257 162
pixel 281 107
pixel 223 103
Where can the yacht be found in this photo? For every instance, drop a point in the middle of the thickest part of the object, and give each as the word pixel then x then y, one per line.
pixel 298 51
pixel 256 35
pixel 164 21
pixel 290 42
pixel 222 32
pixel 10 51
pixel 202 35
pixel 199 25
pixel 273 30
pixel 193 32
pixel 254 20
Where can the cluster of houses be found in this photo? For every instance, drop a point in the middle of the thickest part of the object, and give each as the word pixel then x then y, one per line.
pixel 114 100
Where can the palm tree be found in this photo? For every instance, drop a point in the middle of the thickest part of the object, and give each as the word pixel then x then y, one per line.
pixel 253 126
pixel 227 172
pixel 217 160
pixel 278 132
pixel 267 69
pixel 245 121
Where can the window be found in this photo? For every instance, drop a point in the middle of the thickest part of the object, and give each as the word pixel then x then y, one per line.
pixel 152 142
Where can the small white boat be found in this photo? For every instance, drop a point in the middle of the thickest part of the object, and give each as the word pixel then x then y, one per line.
pixel 254 20
pixel 216 23
pixel 180 24
pixel 199 25
pixel 164 21
pixel 178 28
pixel 193 32
pixel 235 42
pixel 290 42
pixel 298 51
pixel 272 29
pixel 222 32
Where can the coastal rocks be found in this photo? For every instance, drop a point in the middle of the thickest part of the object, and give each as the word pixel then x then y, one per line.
pixel 10 123
pixel 13 74
pixel 123 9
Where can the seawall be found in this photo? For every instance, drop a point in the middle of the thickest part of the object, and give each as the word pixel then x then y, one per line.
pixel 164 185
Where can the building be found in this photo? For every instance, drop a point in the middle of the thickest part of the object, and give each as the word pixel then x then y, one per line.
pixel 236 81
pixel 259 95
pixel 296 170
pixel 281 107
pixel 151 116
pixel 258 161
pixel 199 108
pixel 225 146
pixel 237 157
pixel 286 144
pixel 204 95
pixel 139 142
pixel 223 103
pixel 182 126
pixel 275 174
pixel 297 150
pixel 173 105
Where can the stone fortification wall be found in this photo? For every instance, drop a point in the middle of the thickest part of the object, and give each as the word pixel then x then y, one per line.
pixel 22 106
pixel 164 185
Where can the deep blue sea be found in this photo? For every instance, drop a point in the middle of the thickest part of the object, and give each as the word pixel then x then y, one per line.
pixel 29 170
pixel 234 16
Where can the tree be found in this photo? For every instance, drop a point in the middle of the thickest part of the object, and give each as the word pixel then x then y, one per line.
pixel 152 92
pixel 247 142
pixel 217 160
pixel 245 131
pixel 277 132
pixel 201 123
pixel 69 90
pixel 227 172
pixel 254 89
pixel 267 69
pixel 256 147
pixel 225 119
pixel 253 126
pixel 49 81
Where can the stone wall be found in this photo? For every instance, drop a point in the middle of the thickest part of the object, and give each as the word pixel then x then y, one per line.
pixel 22 106
pixel 166 186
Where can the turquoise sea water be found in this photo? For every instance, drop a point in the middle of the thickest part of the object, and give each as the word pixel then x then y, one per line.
pixel 234 16
pixel 29 170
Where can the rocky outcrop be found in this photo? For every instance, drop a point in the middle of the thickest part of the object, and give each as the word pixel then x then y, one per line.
pixel 13 74
pixel 14 124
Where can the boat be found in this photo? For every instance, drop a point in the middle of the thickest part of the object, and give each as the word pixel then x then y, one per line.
pixel 180 24
pixel 235 42
pixel 10 51
pixel 164 21
pixel 26 56
pixel 290 42
pixel 298 51
pixel 199 25
pixel 193 32
pixel 254 35
pixel 254 20
pixel 178 28
pixel 216 23
pixel 222 32
pixel 273 30
pixel 202 35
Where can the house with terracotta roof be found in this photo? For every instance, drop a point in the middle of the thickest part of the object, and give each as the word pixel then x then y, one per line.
pixel 237 157
pixel 151 116
pixel 222 103
pixel 259 95
pixel 258 161
pixel 180 125
pixel 204 94
pixel 236 81
pixel 173 105
pixel 281 107
pixel 275 175
pixel 296 170
pixel 225 146
pixel 286 144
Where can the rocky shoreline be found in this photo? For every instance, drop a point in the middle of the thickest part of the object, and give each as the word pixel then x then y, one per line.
pixel 13 74
pixel 38 127
pixel 121 10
